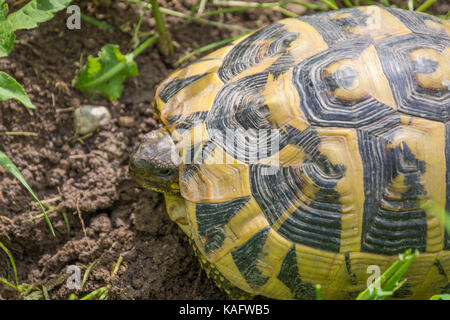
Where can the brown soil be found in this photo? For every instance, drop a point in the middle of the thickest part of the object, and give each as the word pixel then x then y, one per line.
pixel 109 214
pixel 89 181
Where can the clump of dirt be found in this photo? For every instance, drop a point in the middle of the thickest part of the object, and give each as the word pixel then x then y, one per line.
pixel 86 180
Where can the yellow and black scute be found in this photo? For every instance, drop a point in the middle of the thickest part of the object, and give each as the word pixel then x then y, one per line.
pixel 358 102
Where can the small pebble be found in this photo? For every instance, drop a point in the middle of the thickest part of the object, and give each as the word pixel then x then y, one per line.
pixel 127 122
pixel 88 118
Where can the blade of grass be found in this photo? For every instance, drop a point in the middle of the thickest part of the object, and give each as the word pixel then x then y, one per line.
pixel 165 40
pixel 66 221
pixel 45 293
pixel 11 167
pixel 440 297
pixel 116 265
pixel 424 6
pixel 104 295
pixel 330 4
pixel 73 296
pixel 387 283
pixel 11 259
pixel 385 3
pixel 286 12
pixel 194 7
pixel 209 47
pixel 94 293
pixel 18 133
pixel 4 281
pixel 135 39
pixel 391 283
pixel 347 3
pixel 88 271
pixel 368 2
pixel 310 6
pixel 334 2
pixel 97 23
pixel 319 292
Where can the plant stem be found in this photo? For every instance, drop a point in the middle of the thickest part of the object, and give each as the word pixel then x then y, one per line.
pixel 135 39
pixel 9 284
pixel 144 46
pixel 18 133
pixel 209 46
pixel 165 42
pixel 202 6
pixel 190 18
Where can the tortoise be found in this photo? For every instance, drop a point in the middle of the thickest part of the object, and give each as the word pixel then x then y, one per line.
pixel 310 150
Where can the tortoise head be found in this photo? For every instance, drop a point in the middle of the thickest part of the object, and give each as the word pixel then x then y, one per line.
pixel 154 163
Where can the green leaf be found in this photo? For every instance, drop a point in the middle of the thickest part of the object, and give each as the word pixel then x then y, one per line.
pixel 32 14
pixel 11 89
pixel 106 74
pixel 6 43
pixel 3 10
pixel 440 297
pixel 11 167
pixel 27 17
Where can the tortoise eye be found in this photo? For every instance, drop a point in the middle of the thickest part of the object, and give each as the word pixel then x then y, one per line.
pixel 163 172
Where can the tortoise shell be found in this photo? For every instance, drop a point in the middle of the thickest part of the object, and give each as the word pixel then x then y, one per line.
pixel 357 103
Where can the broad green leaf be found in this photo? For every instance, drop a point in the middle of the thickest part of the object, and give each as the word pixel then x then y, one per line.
pixel 32 14
pixel 3 10
pixel 106 74
pixel 11 89
pixel 27 17
pixel 6 43
pixel 11 167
